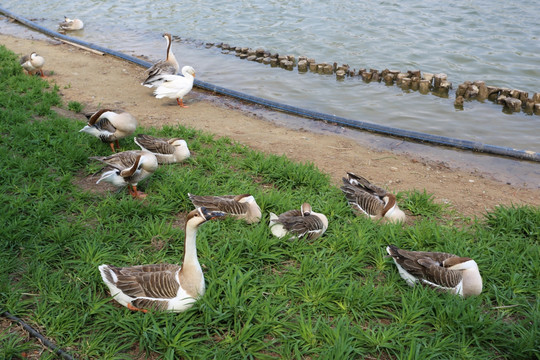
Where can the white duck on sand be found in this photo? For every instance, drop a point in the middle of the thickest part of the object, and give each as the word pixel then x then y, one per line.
pixel 175 86
pixel 127 168
pixel 167 287
pixel 169 66
pixel 371 201
pixel 448 272
pixel 241 206
pixel 110 126
pixel 167 151
pixel 303 223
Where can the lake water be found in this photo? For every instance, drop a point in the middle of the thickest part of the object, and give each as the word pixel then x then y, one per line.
pixel 494 41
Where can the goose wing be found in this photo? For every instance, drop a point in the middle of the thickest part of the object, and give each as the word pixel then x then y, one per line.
pixel 225 203
pixel 154 145
pixel 361 200
pixel 120 161
pixel 310 226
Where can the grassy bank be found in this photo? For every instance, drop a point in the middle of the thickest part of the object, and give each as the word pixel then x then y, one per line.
pixel 338 297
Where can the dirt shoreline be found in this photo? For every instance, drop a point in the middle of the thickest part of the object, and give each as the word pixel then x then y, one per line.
pixel 104 81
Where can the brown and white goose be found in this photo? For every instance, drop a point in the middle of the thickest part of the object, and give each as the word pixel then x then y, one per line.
pixel 169 66
pixel 458 275
pixel 110 126
pixel 303 223
pixel 71 24
pixel 33 63
pixel 127 168
pixel 369 200
pixel 167 287
pixel 240 206
pixel 167 151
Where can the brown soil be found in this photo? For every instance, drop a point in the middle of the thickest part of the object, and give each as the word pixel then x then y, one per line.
pixel 104 81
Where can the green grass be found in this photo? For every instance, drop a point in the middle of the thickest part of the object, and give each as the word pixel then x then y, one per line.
pixel 337 297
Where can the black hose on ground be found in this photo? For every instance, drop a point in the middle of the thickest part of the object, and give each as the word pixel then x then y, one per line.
pixel 355 124
pixel 38 335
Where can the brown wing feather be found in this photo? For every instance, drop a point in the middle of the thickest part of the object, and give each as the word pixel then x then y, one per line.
pixel 120 161
pixel 154 144
pixel 295 223
pixel 158 281
pixel 224 203
pixel 361 200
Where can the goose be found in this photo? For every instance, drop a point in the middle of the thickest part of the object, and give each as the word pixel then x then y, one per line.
pixel 109 126
pixel 175 86
pixel 369 200
pixel 239 206
pixel 169 66
pixel 71 24
pixel 166 287
pixel 458 275
pixel 299 223
pixel 32 63
pixel 127 168
pixel 167 151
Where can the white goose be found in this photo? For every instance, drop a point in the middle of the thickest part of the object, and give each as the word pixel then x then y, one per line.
pixel 240 206
pixel 167 287
pixel 175 86
pixel 167 151
pixel 369 200
pixel 169 66
pixel 110 126
pixel 127 168
pixel 32 63
pixel 299 223
pixel 71 24
pixel 448 272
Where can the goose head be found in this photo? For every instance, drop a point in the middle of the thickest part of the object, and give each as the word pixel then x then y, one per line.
pixel 201 215
pixel 472 281
pixel 188 70
pixel 305 209
pixel 181 150
pixel 394 214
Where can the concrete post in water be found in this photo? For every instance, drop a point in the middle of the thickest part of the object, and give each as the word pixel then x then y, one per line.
pixel 482 90
pixel 328 69
pixel 312 65
pixel 292 59
pixel 458 103
pixel 493 93
pixel 374 75
pixel 512 104
pixel 428 77
pixel 536 98
pixel 406 83
pixel 537 108
pixel 424 86
pixel 274 62
pixel 504 91
pixel 501 99
pixel 415 83
pixel 267 60
pixel 471 92
pixel 251 57
pixel 438 79
pixel 528 106
pixel 523 96
pixel 445 86
pixel 399 78
pixel 260 59
pixel 340 74
pixel 462 88
pixel 366 76
pixel 389 78
pixel 259 52
pixel 302 66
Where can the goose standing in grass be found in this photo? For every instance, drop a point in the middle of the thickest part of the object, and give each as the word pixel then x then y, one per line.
pixel 169 66
pixel 175 86
pixel 167 151
pixel 71 24
pixel 127 168
pixel 167 287
pixel 299 223
pixel 33 63
pixel 110 126
pixel 458 275
pixel 369 200
pixel 239 206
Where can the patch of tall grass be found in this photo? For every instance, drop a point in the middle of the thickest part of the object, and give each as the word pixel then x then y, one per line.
pixel 336 297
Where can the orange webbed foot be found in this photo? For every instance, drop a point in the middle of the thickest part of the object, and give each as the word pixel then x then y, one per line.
pixel 133 308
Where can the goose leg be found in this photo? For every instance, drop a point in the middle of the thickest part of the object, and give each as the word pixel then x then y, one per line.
pixel 181 103
pixel 117 144
pixel 133 308
pixel 112 147
pixel 138 194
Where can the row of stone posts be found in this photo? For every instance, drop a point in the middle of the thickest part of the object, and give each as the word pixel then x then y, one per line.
pixel 438 84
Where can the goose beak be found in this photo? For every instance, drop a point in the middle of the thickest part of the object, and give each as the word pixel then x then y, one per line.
pixel 210 215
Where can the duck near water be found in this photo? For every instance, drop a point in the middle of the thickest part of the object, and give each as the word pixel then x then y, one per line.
pixel 110 126
pixel 303 223
pixel 167 151
pixel 32 63
pixel 369 200
pixel 239 206
pixel 448 272
pixel 169 66
pixel 175 86
pixel 167 287
pixel 127 168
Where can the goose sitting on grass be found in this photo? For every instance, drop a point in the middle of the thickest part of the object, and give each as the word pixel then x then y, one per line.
pixel 33 64
pixel 167 151
pixel 167 287
pixel 239 206
pixel 169 66
pixel 110 126
pixel 175 86
pixel 71 24
pixel 303 223
pixel 369 200
pixel 127 168
pixel 448 272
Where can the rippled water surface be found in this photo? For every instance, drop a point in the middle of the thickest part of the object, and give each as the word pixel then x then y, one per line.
pixel 494 41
